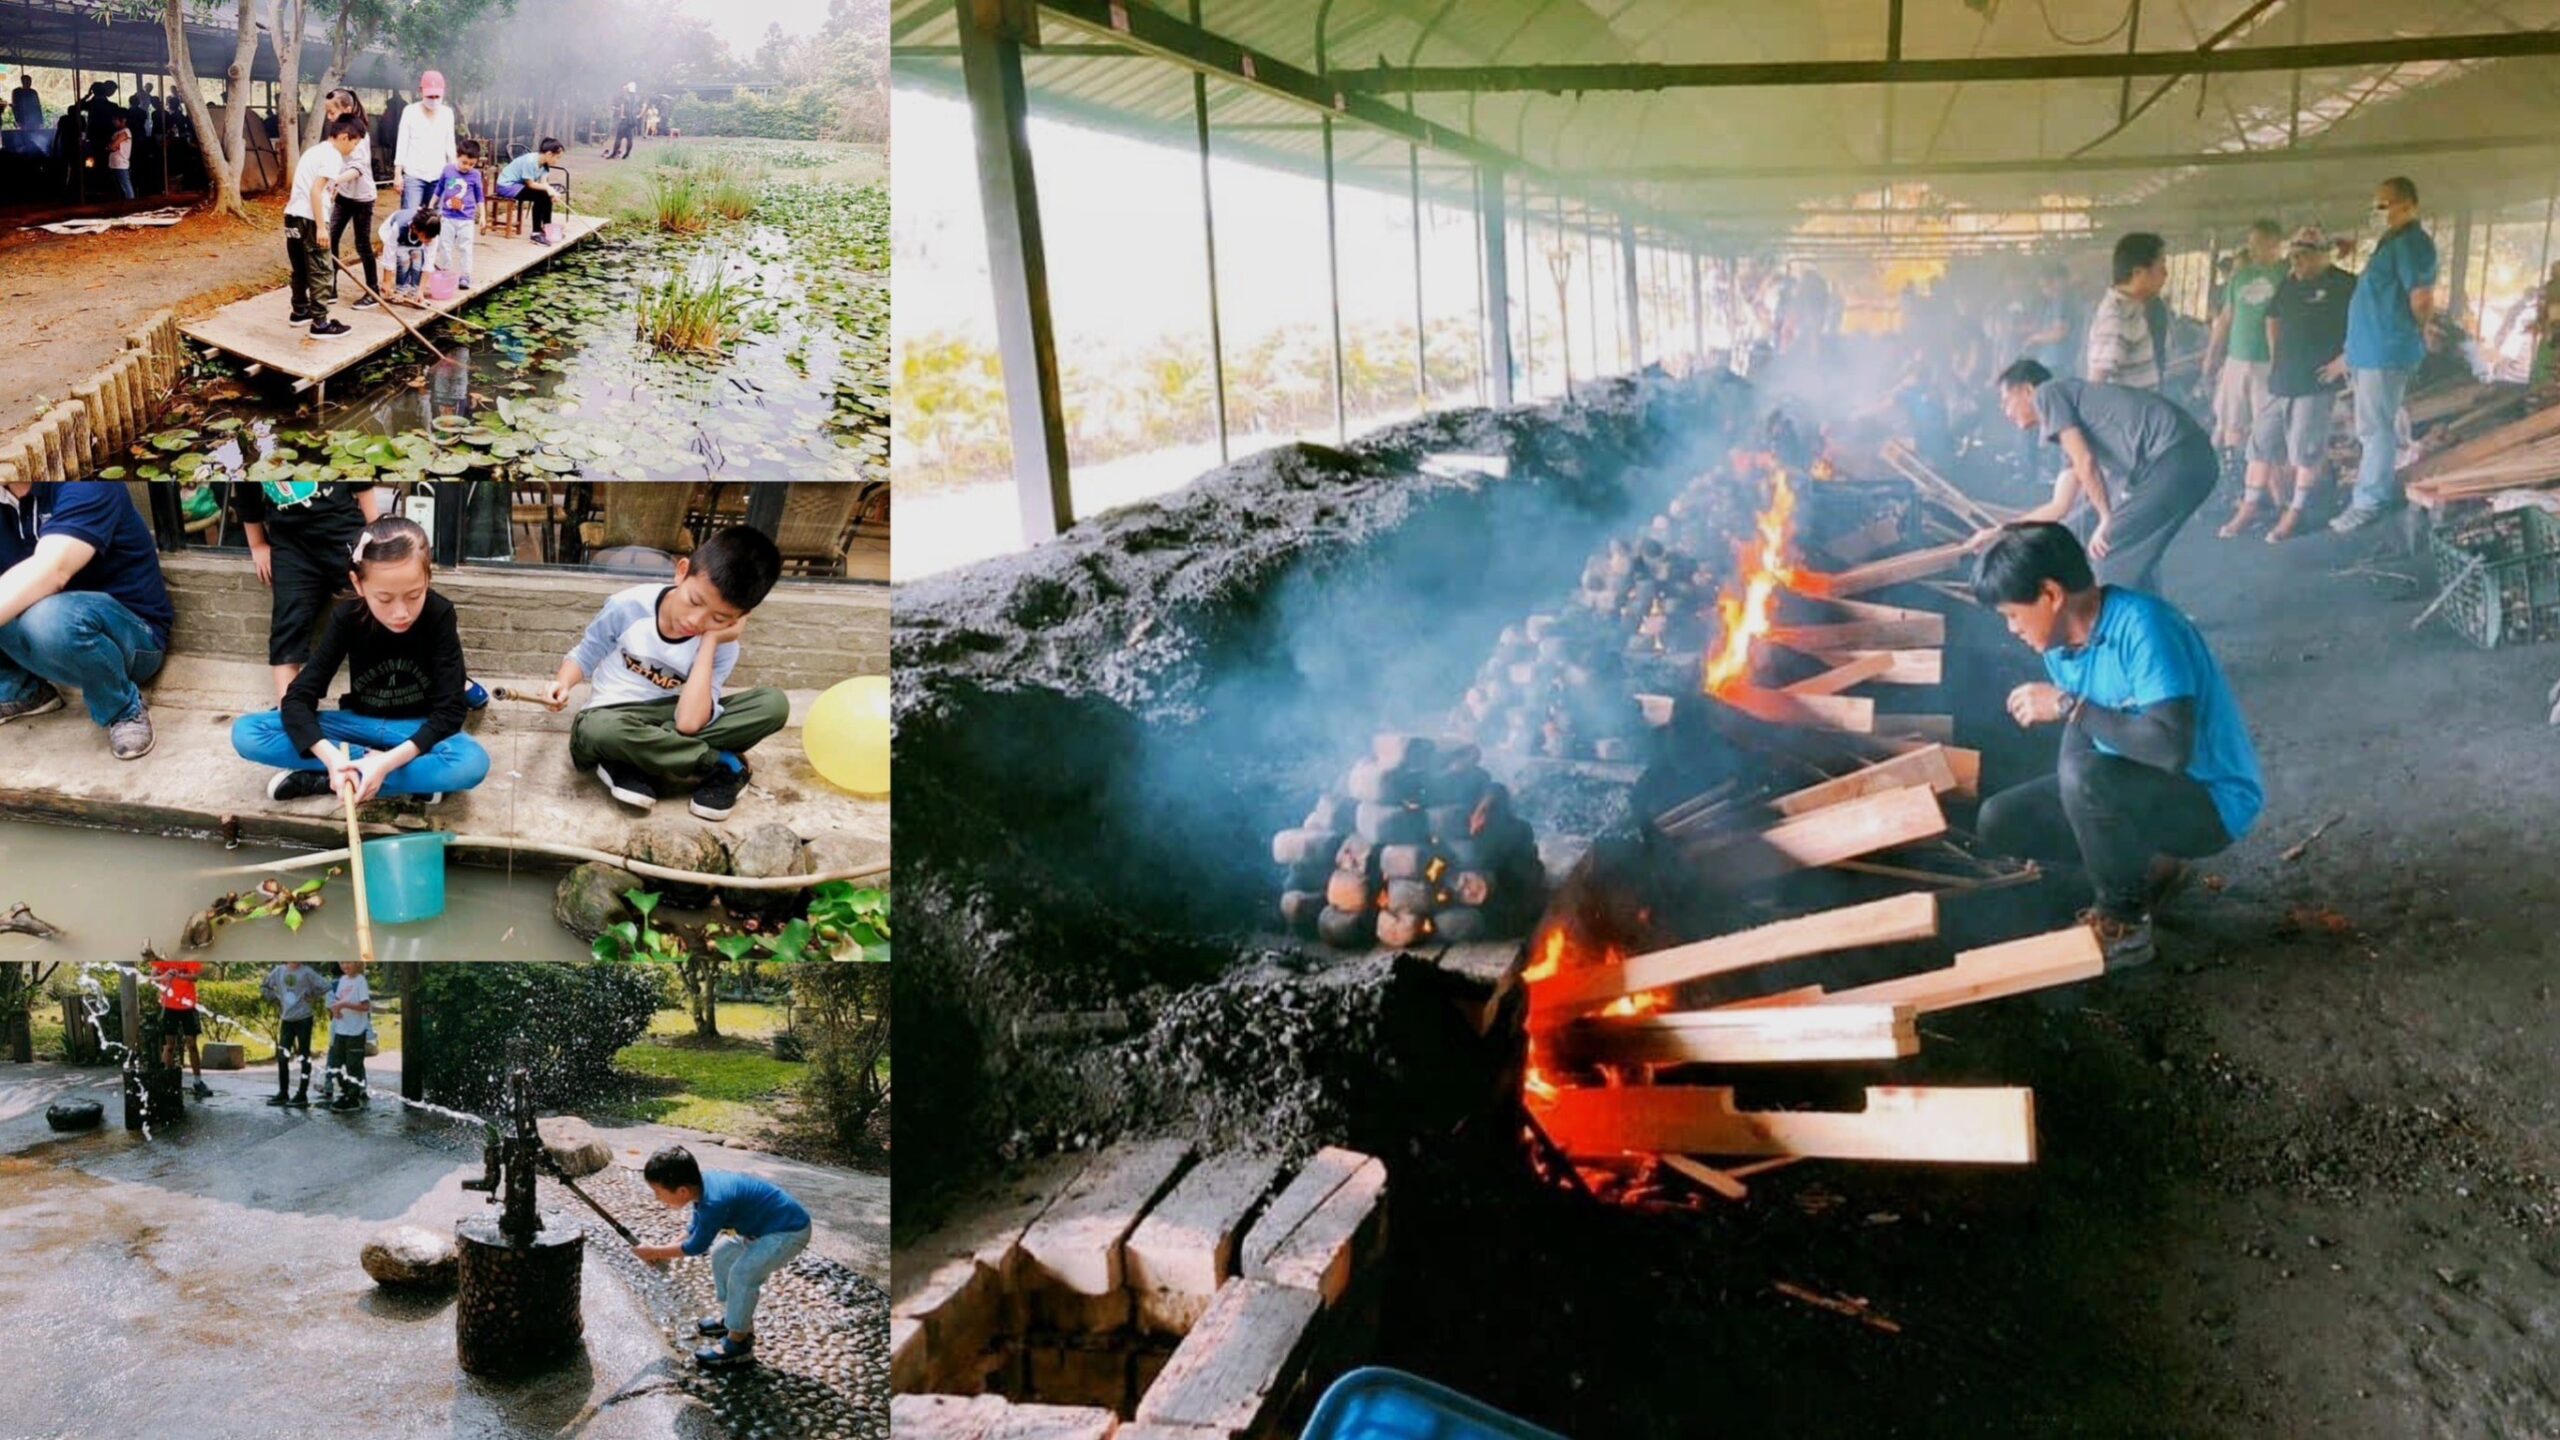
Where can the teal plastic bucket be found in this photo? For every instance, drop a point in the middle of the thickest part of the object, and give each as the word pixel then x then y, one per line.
pixel 1381 1404
pixel 404 877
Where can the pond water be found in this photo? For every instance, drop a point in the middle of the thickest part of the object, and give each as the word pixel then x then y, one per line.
pixel 549 377
pixel 113 891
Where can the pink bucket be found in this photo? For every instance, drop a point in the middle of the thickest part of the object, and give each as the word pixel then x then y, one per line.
pixel 440 284
pixel 551 232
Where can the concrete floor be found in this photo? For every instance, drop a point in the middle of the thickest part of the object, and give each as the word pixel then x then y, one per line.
pixel 59 768
pixel 206 1281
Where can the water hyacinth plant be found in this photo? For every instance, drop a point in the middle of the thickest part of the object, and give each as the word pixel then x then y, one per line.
pixel 699 308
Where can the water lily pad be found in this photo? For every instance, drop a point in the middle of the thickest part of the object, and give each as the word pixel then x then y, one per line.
pixel 170 442
pixel 112 472
pixel 448 465
pixel 184 465
pixel 553 464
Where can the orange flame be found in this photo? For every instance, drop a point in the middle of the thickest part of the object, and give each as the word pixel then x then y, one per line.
pixel 1550 957
pixel 1766 564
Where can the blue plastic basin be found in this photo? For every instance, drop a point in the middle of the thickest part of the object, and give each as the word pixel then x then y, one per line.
pixel 404 877
pixel 1381 1404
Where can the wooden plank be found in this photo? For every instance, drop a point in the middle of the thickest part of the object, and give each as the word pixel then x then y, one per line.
pixel 1936 729
pixel 954 1282
pixel 1903 667
pixel 1773 1035
pixel 1852 713
pixel 255 329
pixel 945 1417
pixel 1165 1432
pixel 1708 1177
pixel 1835 832
pixel 1890 921
pixel 1932 1124
pixel 1053 1422
pixel 1328 1170
pixel 2059 957
pixel 1893 570
pixel 1878 610
pixel 1930 767
pixel 1919 631
pixel 1236 1368
pixel 1800 995
pixel 1073 1261
pixel 1870 665
pixel 2533 427
pixel 906 1355
pixel 1340 1235
pixel 1186 1247
pixel 1968 768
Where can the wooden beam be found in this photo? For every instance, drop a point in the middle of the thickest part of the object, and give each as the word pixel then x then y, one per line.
pixel 1853 713
pixel 1560 79
pixel 1936 729
pixel 1848 674
pixel 1992 1125
pixel 1892 570
pixel 1186 1247
pixel 1577 991
pixel 1905 667
pixel 1835 832
pixel 2059 957
pixel 1235 1371
pixel 1930 767
pixel 2533 427
pixel 1919 631
pixel 1762 1036
pixel 1073 1257
pixel 1707 1177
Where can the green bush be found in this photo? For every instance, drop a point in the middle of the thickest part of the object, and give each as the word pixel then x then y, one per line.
pixel 572 1018
pixel 843 1015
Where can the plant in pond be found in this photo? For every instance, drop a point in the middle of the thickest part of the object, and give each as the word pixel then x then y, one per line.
pixel 699 309
pixel 733 194
pixel 674 157
pixel 679 200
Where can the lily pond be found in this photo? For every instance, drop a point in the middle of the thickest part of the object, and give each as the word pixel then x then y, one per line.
pixel 550 375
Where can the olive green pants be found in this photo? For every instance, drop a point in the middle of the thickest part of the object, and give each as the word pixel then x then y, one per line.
pixel 644 736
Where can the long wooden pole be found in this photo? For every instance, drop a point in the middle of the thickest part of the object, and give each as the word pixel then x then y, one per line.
pixel 387 308
pixel 355 860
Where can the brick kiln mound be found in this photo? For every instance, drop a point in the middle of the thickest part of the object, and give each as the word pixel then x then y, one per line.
pixel 1096 738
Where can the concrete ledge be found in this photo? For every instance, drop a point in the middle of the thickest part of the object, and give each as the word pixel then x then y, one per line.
pixel 191 783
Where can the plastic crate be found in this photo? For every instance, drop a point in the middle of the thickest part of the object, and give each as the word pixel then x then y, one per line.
pixel 1381 1404
pixel 2513 597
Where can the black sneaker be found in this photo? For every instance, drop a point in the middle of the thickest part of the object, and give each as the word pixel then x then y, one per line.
pixel 278 1102
pixel 367 303
pixel 201 1090
pixel 45 701
pixel 631 790
pixel 714 798
pixel 711 1325
pixel 730 1354
pixel 326 329
pixel 300 1101
pixel 298 784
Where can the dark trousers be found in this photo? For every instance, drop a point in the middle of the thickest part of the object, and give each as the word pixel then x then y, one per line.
pixel 621 140
pixel 358 215
pixel 345 1075
pixel 315 279
pixel 2157 501
pixel 2109 814
pixel 296 1035
pixel 540 200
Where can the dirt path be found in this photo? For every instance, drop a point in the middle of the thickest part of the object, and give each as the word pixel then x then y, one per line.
pixel 71 298
pixel 2296 1177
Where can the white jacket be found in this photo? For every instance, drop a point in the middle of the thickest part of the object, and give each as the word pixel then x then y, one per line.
pixel 426 142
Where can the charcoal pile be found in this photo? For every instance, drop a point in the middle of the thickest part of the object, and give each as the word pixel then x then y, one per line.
pixel 1557 685
pixel 1418 844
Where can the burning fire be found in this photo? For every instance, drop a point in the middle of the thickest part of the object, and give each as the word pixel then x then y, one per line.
pixel 1767 563
pixel 1550 957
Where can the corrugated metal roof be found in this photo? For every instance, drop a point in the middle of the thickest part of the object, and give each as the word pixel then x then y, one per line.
pixel 1739 160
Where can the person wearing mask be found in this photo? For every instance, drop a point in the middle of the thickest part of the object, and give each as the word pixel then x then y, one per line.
pixel 2390 323
pixel 2122 348
pixel 426 145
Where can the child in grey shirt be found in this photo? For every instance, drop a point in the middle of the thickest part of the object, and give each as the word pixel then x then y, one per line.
pixel 295 988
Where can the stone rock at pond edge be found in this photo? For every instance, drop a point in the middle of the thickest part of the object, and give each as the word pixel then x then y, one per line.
pixel 406 1257
pixel 764 850
pixel 71 1115
pixel 678 845
pixel 573 1145
pixel 590 898
pixel 223 1055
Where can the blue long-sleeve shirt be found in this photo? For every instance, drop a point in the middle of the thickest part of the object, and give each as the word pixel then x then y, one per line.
pixel 754 1208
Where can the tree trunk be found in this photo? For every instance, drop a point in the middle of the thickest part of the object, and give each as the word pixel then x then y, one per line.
pixel 223 150
pixel 702 991
pixel 292 16
pixel 344 41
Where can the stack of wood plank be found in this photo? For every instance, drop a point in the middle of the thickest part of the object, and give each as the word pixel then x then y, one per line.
pixel 2522 454
pixel 1419 844
pixel 1137 1294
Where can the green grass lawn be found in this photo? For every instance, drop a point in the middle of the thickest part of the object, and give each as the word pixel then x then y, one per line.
pixel 620 188
pixel 48 1035
pixel 728 1086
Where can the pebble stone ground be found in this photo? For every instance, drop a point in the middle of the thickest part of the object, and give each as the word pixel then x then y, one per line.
pixel 822 1331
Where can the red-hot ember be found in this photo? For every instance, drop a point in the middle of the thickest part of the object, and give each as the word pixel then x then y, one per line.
pixel 1767 565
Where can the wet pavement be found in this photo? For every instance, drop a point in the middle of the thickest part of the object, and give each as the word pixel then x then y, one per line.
pixel 206 1281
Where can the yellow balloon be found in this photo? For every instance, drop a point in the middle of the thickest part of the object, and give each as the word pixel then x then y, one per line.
pixel 847 737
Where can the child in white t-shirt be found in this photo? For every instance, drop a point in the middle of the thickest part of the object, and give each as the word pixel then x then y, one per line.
pixel 306 226
pixel 350 1024
pixel 120 157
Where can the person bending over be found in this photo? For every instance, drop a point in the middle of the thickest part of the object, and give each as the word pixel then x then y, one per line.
pixel 2156 765
pixel 2143 464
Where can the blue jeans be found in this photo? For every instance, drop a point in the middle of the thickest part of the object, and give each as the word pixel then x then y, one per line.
pixel 2378 394
pixel 739 1268
pixel 414 191
pixel 457 763
pixel 85 640
pixel 124 182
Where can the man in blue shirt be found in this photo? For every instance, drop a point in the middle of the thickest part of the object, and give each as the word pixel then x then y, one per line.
pixel 2387 335
pixel 770 1227
pixel 81 604
pixel 2156 764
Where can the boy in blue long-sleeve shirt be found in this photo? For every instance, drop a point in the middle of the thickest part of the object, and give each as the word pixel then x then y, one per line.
pixel 768 1228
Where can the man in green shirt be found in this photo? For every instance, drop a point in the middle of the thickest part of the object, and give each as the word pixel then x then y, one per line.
pixel 2239 347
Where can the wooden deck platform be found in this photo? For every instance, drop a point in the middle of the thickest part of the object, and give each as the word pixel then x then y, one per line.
pixel 256 330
